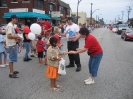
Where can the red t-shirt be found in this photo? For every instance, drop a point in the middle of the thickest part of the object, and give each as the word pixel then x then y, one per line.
pixel 40 46
pixel 57 37
pixel 43 28
pixel 92 45
pixel 47 26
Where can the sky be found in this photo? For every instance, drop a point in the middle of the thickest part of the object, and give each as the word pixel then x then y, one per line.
pixel 109 10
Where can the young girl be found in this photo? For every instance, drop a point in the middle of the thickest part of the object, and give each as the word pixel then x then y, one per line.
pixel 53 58
pixel 2 51
pixel 56 35
pixel 40 49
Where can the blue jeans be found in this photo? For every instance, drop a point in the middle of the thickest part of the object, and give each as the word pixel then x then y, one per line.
pixel 27 47
pixel 94 63
pixel 5 55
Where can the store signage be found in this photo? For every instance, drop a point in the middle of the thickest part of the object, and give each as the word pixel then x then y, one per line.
pixel 55 14
pixel 39 11
pixel 19 10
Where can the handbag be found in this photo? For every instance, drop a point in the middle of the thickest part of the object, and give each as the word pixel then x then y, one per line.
pixel 62 67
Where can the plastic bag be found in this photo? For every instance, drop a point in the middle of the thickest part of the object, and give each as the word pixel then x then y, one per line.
pixel 62 68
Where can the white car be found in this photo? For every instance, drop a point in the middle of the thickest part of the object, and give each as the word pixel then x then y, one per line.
pixel 114 30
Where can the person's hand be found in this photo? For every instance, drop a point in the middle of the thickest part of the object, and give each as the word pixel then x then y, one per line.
pixel 72 52
pixel 78 49
pixel 58 58
pixel 4 41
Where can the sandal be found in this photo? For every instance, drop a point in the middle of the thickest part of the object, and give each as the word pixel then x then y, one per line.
pixel 54 89
pixel 15 72
pixel 58 86
pixel 13 76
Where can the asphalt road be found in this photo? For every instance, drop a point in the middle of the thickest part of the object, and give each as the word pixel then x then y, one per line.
pixel 114 81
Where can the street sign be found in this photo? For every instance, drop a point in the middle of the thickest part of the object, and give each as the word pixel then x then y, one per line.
pixel 39 11
pixel 55 14
pixel 19 10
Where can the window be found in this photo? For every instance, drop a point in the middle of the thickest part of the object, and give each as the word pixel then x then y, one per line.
pixel 51 7
pixel 61 9
pixel 39 3
pixel 68 12
pixel 3 3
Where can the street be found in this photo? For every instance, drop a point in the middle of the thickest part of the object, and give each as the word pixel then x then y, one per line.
pixel 114 81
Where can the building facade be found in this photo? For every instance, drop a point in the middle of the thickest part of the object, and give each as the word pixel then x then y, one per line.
pixel 82 16
pixel 55 9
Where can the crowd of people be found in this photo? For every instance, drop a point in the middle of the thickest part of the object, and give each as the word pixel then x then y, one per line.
pixel 48 48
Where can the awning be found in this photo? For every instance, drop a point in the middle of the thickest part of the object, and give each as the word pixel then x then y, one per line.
pixel 55 18
pixel 26 15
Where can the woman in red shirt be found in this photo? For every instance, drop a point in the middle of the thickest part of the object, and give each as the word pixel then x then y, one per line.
pixel 95 52
pixel 40 48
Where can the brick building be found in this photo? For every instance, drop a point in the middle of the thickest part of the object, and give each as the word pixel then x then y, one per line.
pixel 29 10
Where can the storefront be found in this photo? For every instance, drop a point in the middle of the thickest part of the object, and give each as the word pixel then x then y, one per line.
pixel 25 17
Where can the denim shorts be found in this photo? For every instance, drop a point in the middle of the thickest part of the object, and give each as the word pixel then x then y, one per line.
pixel 94 63
pixel 13 53
pixel 5 55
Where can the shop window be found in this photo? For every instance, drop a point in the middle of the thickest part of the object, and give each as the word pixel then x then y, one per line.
pixel 39 3
pixel 3 3
pixel 68 12
pixel 61 9
pixel 51 7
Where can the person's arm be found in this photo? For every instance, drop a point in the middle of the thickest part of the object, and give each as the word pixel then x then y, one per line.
pixel 26 35
pixel 76 37
pixel 9 36
pixel 81 50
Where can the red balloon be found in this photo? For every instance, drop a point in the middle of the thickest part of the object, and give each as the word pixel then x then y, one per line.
pixel 17 29
pixel 26 29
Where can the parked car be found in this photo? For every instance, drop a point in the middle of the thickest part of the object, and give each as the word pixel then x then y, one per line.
pixel 122 27
pixel 3 28
pixel 115 30
pixel 127 34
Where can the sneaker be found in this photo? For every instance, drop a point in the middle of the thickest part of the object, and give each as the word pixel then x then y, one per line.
pixel 3 66
pixel 90 82
pixel 29 59
pixel 87 79
pixel 6 64
pixel 31 55
pixel 35 56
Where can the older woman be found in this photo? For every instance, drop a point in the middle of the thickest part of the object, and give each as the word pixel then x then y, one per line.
pixel 95 52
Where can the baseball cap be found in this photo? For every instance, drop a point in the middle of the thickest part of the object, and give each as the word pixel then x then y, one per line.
pixel 14 16
pixel 39 19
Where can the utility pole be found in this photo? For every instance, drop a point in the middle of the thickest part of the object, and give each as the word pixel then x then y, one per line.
pixel 128 11
pixel 122 14
pixel 91 15
pixel 77 9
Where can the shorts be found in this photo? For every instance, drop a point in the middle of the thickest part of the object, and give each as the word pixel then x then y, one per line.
pixel 5 55
pixel 40 54
pixel 13 53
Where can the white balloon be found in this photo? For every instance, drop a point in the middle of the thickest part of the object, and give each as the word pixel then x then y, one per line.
pixel 35 28
pixel 31 36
